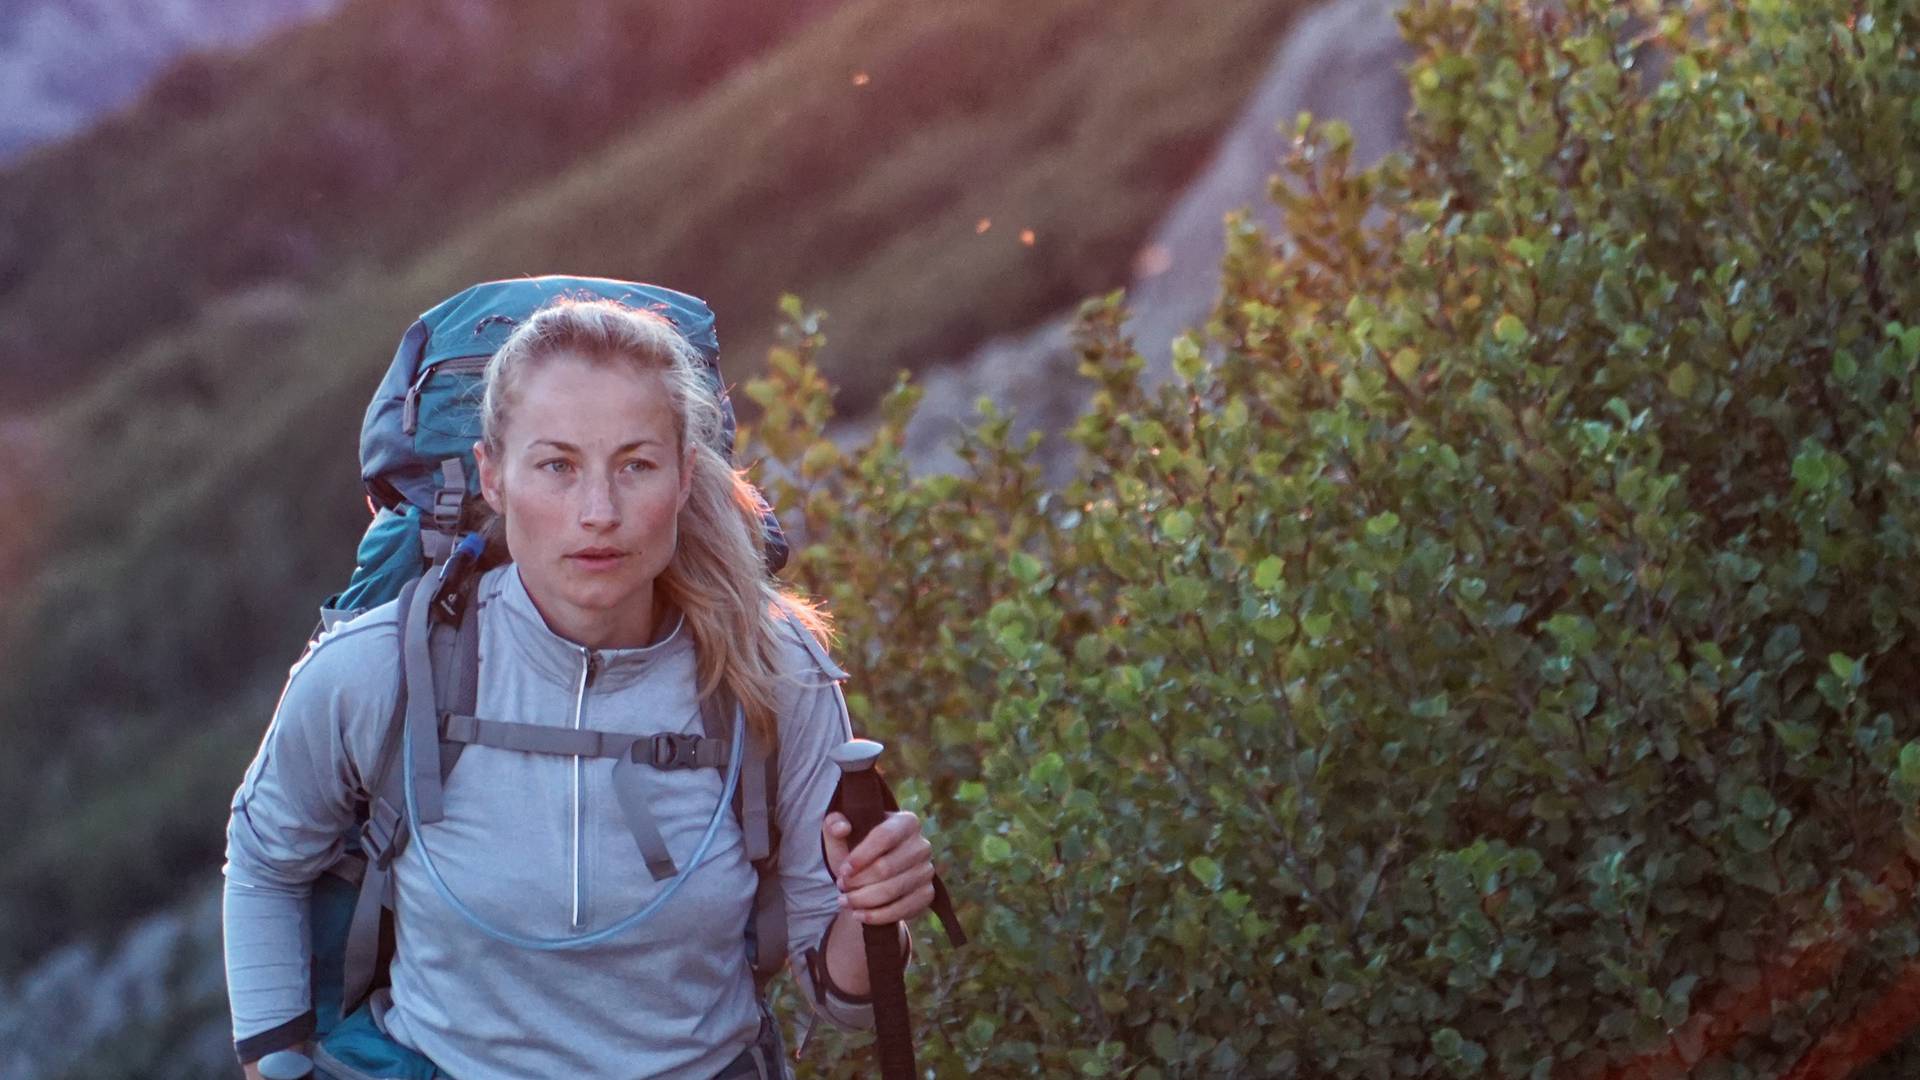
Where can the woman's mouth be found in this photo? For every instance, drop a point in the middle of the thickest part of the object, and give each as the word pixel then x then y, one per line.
pixel 596 558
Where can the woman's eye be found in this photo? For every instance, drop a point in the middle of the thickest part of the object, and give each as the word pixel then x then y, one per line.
pixel 556 465
pixel 638 465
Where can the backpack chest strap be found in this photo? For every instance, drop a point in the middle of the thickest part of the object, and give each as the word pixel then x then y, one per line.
pixel 663 750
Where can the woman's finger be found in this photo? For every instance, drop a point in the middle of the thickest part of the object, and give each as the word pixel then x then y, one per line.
pixel 882 893
pixel 887 835
pixel 916 902
pixel 834 830
pixel 916 850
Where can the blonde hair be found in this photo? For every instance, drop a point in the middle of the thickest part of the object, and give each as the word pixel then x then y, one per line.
pixel 718 574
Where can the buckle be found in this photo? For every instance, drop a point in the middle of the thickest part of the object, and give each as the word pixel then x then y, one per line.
pixel 446 508
pixel 672 750
pixel 378 832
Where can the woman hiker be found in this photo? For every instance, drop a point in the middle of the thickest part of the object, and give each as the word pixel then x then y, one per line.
pixel 637 588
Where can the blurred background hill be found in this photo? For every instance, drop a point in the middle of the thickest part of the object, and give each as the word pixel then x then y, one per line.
pixel 63 63
pixel 198 291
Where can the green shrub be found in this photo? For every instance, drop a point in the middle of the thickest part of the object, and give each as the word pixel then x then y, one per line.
pixel 1492 654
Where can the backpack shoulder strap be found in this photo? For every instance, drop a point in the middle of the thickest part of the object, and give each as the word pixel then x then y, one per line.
pixel 754 801
pixel 453 655
pixel 381 836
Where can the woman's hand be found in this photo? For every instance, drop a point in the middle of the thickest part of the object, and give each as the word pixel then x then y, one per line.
pixel 888 877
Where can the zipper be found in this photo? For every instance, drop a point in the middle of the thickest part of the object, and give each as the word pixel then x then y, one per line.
pixel 590 663
pixel 410 406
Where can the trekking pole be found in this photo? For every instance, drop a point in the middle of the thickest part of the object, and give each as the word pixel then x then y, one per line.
pixel 861 800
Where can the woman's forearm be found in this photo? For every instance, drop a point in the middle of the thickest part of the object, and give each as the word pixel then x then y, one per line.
pixel 846 954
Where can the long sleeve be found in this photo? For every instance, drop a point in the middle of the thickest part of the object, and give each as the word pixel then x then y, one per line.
pixel 265 930
pixel 816 724
pixel 288 822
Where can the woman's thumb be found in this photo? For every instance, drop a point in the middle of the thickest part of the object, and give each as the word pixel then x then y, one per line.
pixel 834 833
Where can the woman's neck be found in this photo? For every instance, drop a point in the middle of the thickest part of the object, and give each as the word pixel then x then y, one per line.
pixel 625 628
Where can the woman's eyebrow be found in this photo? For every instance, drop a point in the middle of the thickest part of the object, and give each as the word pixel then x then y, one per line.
pixel 569 448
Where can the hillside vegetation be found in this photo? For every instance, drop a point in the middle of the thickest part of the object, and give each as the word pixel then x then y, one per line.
pixel 364 137
pixel 204 493
pixel 1499 661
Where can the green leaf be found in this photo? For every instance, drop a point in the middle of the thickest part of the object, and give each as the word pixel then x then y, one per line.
pixel 1267 573
pixel 1575 632
pixel 1188 362
pixel 980 1030
pixel 1047 768
pixel 1176 524
pixel 1843 666
pixel 1189 593
pixel 1383 524
pixel 1782 643
pixel 1205 871
pixel 1025 568
pixel 761 392
pixel 1509 330
pixel 1910 764
pixel 1681 381
pixel 1811 468
pixel 1405 363
pixel 995 849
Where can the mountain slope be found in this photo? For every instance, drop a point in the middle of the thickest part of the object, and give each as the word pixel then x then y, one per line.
pixel 361 138
pixel 64 63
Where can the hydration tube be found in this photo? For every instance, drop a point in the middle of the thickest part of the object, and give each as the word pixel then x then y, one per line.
pixel 578 941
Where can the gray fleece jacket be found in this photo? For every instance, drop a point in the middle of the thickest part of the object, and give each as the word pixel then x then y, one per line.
pixel 535 844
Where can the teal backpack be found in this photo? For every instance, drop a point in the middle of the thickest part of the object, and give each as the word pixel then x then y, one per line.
pixel 421 549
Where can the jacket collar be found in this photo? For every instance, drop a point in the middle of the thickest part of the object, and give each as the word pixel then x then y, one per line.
pixel 562 660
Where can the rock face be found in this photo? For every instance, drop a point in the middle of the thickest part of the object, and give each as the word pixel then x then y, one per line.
pixel 1342 61
pixel 64 63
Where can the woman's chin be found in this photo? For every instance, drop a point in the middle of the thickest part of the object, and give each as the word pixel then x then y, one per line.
pixel 603 592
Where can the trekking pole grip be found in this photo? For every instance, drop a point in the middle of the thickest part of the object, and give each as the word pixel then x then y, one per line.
pixel 862 801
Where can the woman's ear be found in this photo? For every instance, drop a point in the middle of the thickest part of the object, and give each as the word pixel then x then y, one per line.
pixel 686 475
pixel 489 476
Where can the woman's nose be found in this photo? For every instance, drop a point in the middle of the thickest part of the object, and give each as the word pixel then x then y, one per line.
pixel 598 510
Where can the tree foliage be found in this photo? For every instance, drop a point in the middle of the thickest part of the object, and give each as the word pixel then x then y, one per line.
pixel 1491 654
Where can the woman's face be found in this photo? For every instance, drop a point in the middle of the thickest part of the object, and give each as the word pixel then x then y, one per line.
pixel 590 479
